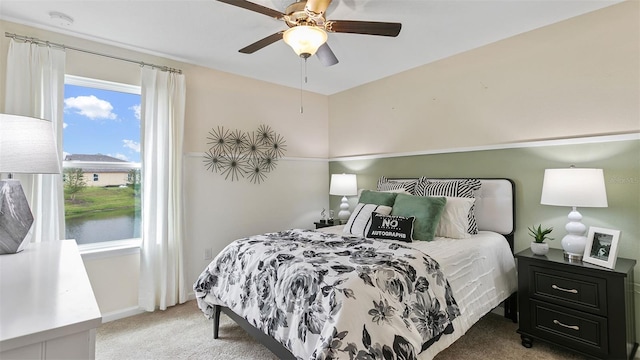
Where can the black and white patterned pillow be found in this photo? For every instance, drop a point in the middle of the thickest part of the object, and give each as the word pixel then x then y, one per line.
pixel 360 220
pixel 391 227
pixel 465 188
pixel 385 184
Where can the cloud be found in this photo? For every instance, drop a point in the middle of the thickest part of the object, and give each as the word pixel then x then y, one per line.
pixel 91 107
pixel 136 110
pixel 135 146
pixel 120 156
pixel 64 125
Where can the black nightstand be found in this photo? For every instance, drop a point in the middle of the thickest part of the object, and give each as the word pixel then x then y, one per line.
pixel 327 224
pixel 582 307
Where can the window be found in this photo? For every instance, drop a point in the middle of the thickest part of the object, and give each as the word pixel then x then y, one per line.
pixel 101 144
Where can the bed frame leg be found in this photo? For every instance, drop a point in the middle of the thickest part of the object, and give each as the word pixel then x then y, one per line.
pixel 511 307
pixel 216 320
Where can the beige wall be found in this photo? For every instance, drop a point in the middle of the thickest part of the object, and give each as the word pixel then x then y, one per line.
pixel 217 210
pixel 105 179
pixel 114 281
pixel 575 78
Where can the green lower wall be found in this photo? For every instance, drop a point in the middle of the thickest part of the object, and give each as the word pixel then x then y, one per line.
pixel 620 161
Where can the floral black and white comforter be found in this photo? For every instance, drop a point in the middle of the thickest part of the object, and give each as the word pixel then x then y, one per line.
pixel 325 296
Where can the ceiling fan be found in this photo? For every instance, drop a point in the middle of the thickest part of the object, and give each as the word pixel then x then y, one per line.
pixel 308 27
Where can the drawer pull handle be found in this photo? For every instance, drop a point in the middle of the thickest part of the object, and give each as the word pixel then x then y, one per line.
pixel 572 327
pixel 556 287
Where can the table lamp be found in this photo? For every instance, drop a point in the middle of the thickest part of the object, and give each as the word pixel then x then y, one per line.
pixel 27 145
pixel 574 187
pixel 343 185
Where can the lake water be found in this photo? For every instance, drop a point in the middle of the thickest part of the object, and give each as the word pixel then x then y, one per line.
pixel 100 228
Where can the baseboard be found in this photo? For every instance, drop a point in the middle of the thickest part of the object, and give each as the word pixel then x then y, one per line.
pixel 131 311
pixel 121 314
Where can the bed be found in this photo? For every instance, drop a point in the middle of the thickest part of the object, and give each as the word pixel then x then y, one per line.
pixel 336 293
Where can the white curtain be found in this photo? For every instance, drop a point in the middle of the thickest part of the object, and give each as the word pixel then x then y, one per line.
pixel 162 274
pixel 35 87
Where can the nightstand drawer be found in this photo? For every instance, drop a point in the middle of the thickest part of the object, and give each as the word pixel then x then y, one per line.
pixel 569 289
pixel 580 331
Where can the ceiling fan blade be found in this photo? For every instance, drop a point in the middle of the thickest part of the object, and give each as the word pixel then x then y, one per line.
pixel 255 7
pixel 250 49
pixel 317 7
pixel 326 55
pixel 363 27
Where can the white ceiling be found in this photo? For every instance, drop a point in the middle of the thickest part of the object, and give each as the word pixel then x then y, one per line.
pixel 210 33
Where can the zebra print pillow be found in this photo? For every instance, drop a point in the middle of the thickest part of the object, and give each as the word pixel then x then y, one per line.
pixel 452 188
pixel 385 184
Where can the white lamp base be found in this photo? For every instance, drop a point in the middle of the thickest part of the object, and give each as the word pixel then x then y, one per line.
pixel 15 218
pixel 574 242
pixel 344 212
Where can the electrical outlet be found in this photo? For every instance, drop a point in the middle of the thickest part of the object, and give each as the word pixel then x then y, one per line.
pixel 207 254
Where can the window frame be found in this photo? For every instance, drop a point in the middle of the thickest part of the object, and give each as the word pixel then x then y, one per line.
pixel 113 247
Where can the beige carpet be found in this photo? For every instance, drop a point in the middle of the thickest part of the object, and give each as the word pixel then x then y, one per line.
pixel 182 332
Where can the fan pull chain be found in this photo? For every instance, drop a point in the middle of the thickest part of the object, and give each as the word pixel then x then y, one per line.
pixel 305 70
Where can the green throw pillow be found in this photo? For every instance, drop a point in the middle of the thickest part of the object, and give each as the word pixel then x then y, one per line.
pixel 377 198
pixel 427 211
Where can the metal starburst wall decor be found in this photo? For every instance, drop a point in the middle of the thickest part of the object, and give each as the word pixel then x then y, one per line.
pixel 236 154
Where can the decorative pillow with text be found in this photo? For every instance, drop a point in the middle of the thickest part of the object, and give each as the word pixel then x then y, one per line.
pixel 391 227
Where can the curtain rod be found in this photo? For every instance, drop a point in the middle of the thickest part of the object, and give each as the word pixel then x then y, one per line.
pixel 65 47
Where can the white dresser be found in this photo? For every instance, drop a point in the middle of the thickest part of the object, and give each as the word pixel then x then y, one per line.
pixel 47 306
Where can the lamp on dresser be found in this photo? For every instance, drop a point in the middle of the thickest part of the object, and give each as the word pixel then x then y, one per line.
pixel 574 187
pixel 343 185
pixel 27 145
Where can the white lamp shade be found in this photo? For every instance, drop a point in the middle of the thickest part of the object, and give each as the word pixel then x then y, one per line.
pixel 305 40
pixel 574 187
pixel 27 145
pixel 343 184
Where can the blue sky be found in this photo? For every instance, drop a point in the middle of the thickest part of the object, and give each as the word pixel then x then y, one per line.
pixel 101 122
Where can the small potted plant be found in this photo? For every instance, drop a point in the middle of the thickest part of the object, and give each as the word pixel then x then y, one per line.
pixel 538 246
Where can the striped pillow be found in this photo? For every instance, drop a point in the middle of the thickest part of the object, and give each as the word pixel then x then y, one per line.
pixel 385 184
pixel 360 220
pixel 452 188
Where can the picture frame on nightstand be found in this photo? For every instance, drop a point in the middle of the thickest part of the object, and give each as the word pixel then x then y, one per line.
pixel 602 247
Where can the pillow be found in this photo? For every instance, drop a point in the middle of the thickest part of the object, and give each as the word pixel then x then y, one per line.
pixel 403 191
pixel 454 222
pixel 391 227
pixel 427 211
pixel 377 197
pixel 385 184
pixel 360 220
pixel 454 188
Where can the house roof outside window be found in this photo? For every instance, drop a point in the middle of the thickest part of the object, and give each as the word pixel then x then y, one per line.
pixel 90 163
pixel 92 157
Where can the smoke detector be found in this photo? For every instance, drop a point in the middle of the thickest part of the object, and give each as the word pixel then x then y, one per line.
pixel 61 19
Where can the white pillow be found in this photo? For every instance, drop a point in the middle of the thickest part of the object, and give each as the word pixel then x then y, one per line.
pixel 360 220
pixel 454 221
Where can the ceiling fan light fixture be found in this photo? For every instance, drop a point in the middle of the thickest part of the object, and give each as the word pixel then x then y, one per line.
pixel 305 40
